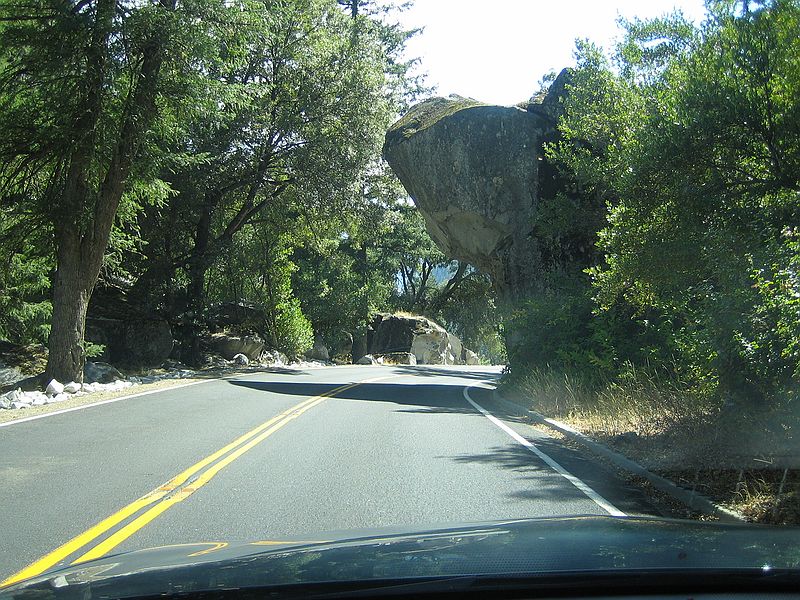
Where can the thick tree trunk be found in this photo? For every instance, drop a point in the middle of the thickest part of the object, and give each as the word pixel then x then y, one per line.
pixel 81 243
pixel 70 300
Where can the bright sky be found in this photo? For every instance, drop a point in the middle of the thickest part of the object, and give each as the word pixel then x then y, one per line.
pixel 496 51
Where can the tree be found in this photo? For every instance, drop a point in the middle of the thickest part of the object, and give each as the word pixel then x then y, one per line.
pixel 78 89
pixel 304 102
pixel 694 145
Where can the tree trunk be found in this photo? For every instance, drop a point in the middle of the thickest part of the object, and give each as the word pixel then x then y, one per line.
pixel 71 293
pixel 196 290
pixel 80 245
pixel 360 334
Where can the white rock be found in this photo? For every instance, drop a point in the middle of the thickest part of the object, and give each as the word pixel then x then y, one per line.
pixel 367 359
pixel 40 401
pixel 72 387
pixel 54 388
pixel 31 397
pixel 114 386
pixel 90 387
pixel 13 396
pixel 5 403
pixel 59 398
pixel 241 360
pixel 17 405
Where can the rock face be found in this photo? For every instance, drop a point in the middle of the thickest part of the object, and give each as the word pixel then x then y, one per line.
pixel 429 343
pixel 319 351
pixel 230 345
pixel 472 171
pixel 477 172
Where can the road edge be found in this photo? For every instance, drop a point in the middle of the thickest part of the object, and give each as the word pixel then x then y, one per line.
pixel 690 498
pixel 179 383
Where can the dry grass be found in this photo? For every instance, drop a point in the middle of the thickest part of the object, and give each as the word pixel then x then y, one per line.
pixel 749 462
pixel 640 402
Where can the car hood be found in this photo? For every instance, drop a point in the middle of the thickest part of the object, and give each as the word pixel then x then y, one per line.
pixel 530 548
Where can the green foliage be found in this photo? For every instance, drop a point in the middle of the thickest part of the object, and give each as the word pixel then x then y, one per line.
pixel 693 144
pixel 260 271
pixel 468 310
pixel 93 350
pixel 25 306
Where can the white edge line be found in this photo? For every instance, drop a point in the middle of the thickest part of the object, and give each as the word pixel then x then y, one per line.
pixel 583 487
pixel 101 402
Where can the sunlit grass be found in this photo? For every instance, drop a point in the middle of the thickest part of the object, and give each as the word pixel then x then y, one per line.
pixel 740 458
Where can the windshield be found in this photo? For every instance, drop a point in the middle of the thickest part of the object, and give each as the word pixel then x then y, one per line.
pixel 279 275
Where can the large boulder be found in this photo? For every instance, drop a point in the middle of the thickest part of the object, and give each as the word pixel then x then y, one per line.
pixel 132 335
pixel 144 342
pixel 133 340
pixel 470 358
pixel 427 341
pixel 472 170
pixel 9 375
pixel 229 345
pixel 397 358
pixel 100 372
pixel 319 351
pixel 367 359
pixel 431 349
pixel 456 349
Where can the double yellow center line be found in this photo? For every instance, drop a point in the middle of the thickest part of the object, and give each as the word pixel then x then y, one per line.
pixel 175 490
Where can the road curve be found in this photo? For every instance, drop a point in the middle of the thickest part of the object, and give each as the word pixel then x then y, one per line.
pixel 281 455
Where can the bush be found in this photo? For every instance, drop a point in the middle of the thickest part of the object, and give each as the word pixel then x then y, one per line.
pixel 293 332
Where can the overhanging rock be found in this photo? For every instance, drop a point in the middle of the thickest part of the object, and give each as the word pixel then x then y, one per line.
pixel 472 170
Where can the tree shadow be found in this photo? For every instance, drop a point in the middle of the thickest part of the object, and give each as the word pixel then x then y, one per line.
pixel 542 482
pixel 425 398
pixel 436 371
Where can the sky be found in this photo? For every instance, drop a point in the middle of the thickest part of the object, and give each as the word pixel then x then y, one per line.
pixel 497 51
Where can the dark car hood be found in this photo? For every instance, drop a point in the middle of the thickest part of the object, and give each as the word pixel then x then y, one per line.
pixel 531 547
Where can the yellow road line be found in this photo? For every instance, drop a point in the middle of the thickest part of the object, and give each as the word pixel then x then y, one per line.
pixel 214 548
pixel 156 495
pixel 124 533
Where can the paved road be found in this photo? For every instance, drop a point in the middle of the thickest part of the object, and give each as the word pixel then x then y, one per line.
pixel 404 447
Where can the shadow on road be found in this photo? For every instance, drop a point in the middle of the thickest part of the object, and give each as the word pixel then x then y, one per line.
pixel 425 398
pixel 626 496
pixel 427 371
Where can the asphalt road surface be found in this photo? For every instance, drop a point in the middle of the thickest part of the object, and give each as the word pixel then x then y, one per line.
pixel 284 455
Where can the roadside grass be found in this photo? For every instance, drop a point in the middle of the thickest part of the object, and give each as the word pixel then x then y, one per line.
pixel 748 461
